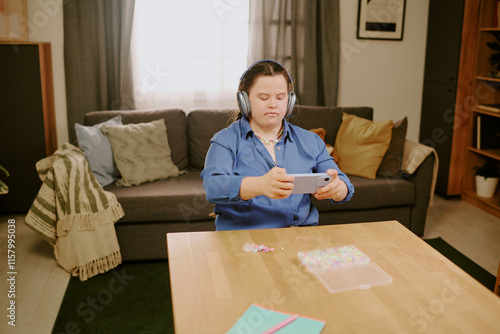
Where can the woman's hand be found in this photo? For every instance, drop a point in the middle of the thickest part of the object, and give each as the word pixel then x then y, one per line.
pixel 277 183
pixel 335 190
pixel 274 184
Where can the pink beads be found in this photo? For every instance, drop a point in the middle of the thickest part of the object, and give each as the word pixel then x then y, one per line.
pixel 256 248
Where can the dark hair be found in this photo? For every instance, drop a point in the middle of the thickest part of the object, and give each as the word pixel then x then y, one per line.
pixel 263 68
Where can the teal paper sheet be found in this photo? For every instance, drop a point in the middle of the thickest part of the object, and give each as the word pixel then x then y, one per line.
pixel 258 319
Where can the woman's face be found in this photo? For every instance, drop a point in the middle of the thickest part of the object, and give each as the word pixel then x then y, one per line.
pixel 268 99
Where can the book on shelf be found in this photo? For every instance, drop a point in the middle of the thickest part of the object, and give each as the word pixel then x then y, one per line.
pixel 493 107
pixel 496 22
pixel 487 132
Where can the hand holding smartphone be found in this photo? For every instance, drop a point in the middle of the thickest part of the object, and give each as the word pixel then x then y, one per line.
pixel 310 182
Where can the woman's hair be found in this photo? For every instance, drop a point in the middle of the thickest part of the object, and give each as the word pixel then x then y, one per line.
pixel 263 68
pixel 266 68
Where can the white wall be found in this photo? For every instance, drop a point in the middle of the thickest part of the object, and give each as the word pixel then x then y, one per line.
pixel 45 19
pixel 386 75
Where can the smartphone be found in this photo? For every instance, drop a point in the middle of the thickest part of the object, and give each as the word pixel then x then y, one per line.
pixel 309 183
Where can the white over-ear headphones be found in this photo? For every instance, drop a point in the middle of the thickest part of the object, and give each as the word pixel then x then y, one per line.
pixel 244 101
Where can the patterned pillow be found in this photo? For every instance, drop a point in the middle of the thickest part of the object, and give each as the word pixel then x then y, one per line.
pixel 97 149
pixel 141 152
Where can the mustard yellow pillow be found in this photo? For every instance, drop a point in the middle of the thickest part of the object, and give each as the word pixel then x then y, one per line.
pixel 361 145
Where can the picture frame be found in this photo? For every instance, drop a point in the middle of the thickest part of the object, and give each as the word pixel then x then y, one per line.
pixel 13 20
pixel 381 19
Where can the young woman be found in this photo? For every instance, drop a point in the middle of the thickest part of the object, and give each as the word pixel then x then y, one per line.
pixel 248 164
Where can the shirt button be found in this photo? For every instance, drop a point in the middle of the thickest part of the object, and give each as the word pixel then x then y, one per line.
pixel 278 148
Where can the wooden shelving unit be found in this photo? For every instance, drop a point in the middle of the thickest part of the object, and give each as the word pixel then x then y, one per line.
pixel 478 87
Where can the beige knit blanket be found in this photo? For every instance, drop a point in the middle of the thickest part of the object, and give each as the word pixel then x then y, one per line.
pixel 414 154
pixel 74 214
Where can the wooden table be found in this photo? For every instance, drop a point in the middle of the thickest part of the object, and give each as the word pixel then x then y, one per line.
pixel 213 282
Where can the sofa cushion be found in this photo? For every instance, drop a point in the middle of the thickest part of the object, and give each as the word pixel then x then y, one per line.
pixel 175 121
pixel 176 199
pixel 182 198
pixel 361 145
pixel 202 125
pixel 97 149
pixel 141 152
pixel 329 118
pixel 373 193
pixel 391 164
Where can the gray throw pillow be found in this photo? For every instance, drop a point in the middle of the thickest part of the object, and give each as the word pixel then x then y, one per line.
pixel 97 149
pixel 391 164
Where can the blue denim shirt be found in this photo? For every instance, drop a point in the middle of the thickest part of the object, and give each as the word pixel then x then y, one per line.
pixel 236 152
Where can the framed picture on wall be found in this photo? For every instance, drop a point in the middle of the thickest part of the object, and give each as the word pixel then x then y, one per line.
pixel 13 20
pixel 381 19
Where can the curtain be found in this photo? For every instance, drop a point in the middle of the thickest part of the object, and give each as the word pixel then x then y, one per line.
pixel 303 35
pixel 97 38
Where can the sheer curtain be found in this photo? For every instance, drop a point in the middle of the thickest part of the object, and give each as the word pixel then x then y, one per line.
pixel 304 36
pixel 97 57
pixel 188 54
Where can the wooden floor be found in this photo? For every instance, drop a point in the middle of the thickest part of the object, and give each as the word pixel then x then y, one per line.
pixel 40 284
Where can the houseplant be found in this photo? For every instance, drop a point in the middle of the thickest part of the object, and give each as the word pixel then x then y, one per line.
pixel 494 58
pixel 487 177
pixel 3 187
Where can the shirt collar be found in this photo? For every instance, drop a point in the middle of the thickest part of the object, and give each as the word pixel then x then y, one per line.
pixel 286 131
pixel 246 129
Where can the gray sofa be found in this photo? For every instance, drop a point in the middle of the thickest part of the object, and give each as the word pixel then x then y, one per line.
pixel 179 204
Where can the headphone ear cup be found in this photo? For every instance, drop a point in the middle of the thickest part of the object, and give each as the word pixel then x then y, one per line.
pixel 291 104
pixel 244 103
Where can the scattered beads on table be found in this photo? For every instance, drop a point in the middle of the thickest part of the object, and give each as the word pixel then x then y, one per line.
pixel 256 248
pixel 321 260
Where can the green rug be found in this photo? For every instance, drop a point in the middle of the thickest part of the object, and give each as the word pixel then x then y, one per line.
pixel 467 265
pixel 132 298
pixel 135 297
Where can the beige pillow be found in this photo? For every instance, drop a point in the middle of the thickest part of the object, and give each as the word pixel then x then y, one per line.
pixel 141 152
pixel 361 145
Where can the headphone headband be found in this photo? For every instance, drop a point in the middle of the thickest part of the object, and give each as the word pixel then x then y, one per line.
pixel 264 60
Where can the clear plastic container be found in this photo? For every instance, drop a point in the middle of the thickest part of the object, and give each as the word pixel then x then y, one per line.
pixel 343 268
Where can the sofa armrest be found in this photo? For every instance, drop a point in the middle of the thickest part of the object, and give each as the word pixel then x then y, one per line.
pixel 423 179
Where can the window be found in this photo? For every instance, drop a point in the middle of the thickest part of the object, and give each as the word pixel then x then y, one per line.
pixel 189 54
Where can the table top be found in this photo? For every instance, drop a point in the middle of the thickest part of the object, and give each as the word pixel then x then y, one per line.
pixel 213 282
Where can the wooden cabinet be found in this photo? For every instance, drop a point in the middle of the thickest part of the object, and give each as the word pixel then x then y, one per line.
pixel 477 86
pixel 440 84
pixel 27 119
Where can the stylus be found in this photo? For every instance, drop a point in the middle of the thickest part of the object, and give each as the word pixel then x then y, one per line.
pixel 281 324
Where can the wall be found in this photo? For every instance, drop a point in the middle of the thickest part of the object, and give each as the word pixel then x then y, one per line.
pixel 45 24
pixel 386 75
